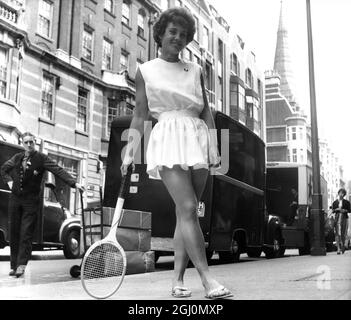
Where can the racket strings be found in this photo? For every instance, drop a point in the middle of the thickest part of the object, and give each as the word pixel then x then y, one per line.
pixel 103 269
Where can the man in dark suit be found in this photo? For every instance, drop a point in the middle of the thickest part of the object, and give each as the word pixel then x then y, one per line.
pixel 24 174
pixel 341 207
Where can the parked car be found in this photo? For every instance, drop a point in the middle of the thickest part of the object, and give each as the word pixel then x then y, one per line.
pixel 56 228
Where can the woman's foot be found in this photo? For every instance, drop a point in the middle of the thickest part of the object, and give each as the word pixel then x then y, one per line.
pixel 214 290
pixel 179 291
pixel 219 293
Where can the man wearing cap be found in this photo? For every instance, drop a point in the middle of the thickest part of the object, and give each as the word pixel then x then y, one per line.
pixel 24 174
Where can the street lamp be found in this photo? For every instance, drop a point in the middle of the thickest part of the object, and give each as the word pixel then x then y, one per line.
pixel 317 215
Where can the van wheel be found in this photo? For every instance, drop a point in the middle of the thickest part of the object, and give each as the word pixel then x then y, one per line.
pixel 277 250
pixel 230 256
pixel 75 271
pixel 254 252
pixel 71 247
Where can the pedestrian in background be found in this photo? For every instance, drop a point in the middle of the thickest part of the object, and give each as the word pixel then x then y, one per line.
pixel 181 148
pixel 24 174
pixel 341 207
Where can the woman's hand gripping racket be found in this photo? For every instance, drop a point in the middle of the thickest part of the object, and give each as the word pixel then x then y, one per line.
pixel 104 264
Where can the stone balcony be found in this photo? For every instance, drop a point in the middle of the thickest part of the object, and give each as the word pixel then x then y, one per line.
pixel 12 11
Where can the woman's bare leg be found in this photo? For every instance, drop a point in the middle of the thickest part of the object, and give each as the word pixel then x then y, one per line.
pixel 180 186
pixel 181 258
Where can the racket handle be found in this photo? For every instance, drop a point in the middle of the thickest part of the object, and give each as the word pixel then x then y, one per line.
pixel 125 182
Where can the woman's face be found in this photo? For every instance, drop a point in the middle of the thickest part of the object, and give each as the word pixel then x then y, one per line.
pixel 174 39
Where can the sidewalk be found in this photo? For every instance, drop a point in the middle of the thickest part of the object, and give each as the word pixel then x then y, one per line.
pixel 288 278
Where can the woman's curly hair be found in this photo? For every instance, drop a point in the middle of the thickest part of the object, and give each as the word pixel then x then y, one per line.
pixel 176 15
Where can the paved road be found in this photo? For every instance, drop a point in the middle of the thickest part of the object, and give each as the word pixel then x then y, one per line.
pixel 289 278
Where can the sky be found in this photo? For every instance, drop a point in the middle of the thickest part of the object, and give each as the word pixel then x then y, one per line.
pixel 256 22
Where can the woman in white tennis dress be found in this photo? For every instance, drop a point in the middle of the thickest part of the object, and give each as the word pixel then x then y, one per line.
pixel 181 147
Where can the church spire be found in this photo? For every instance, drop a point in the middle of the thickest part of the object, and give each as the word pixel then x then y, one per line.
pixel 282 61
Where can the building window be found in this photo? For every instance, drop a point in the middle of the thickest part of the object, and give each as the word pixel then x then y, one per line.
pixel 234 63
pixel 241 97
pixel 294 155
pixel 260 90
pixel 47 97
pixel 220 94
pixel 125 13
pixel 220 57
pixel 109 5
pixel 68 195
pixel 196 35
pixel 206 38
pixel 3 72
pixel 255 110
pixel 107 54
pixel 233 100
pixel 118 109
pixel 293 133
pixel 248 78
pixel 88 44
pixel 82 112
pixel 124 61
pixel 45 18
pixel 141 23
pixel 287 134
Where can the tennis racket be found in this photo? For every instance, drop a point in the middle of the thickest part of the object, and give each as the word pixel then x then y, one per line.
pixel 104 264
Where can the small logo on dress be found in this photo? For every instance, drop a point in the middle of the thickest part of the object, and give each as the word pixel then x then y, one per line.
pixel 186 69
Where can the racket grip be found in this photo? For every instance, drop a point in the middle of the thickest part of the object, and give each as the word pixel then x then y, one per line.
pixel 125 183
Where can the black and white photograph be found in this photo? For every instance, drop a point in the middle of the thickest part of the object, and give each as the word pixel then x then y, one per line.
pixel 177 156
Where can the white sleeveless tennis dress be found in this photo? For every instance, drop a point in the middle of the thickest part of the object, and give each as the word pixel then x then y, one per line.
pixel 180 137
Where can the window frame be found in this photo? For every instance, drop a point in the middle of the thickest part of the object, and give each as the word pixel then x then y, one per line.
pixel 42 114
pixel 89 31
pixel 41 16
pixel 5 67
pixel 126 55
pixel 141 23
pixel 109 6
pixel 79 106
pixel 105 56
pixel 125 19
pixel 206 38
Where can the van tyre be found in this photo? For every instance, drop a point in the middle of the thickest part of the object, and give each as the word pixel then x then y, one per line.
pixel 277 249
pixel 71 247
pixel 230 256
pixel 253 252
pixel 75 271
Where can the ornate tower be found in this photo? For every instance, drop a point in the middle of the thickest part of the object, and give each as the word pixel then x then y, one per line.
pixel 283 63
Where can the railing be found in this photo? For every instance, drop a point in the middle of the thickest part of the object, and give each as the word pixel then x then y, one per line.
pixel 8 13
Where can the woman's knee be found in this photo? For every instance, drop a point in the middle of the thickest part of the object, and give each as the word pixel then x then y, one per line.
pixel 187 209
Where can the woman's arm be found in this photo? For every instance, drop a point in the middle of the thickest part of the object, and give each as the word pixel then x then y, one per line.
pixel 136 129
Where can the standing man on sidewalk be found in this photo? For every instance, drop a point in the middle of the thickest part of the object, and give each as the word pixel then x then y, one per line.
pixel 341 207
pixel 24 174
